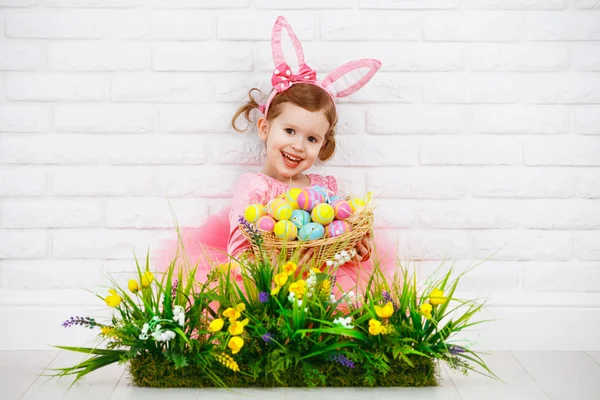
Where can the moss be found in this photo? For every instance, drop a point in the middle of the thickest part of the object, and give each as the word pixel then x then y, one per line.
pixel 156 371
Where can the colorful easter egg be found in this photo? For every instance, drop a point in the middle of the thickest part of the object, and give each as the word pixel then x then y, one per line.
pixel 279 209
pixel 300 218
pixel 311 231
pixel 292 196
pixel 356 203
pixel 342 209
pixel 336 228
pixel 285 230
pixel 323 213
pixel 334 198
pixel 308 199
pixel 324 193
pixel 254 211
pixel 265 223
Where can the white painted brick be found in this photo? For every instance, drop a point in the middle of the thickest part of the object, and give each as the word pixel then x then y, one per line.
pixel 485 276
pixel 18 3
pixel 517 245
pixel 518 57
pixel 23 181
pixel 148 212
pixel 467 214
pixel 395 214
pixel 586 56
pixel 562 26
pixel 588 246
pixel 307 4
pixel 562 150
pixel 387 88
pixel 588 183
pixel 23 244
pixel 419 183
pixel 53 213
pixel 131 24
pixel 561 89
pixel 183 25
pixel 515 182
pixel 192 118
pixel 569 277
pixel 561 214
pixel 55 24
pixel 111 244
pixel 372 151
pixel 586 120
pixel 238 148
pixel 520 119
pixel 194 57
pixel 469 150
pixel 351 119
pixel 473 26
pixel 370 26
pixel 429 244
pixel 585 4
pixel 60 274
pixel 417 119
pixel 258 26
pixel 159 88
pixel 201 4
pixel 453 88
pixel 24 118
pixel 56 87
pixel 20 57
pixel 109 149
pixel 105 118
pixel 515 4
pixel 94 3
pixel 409 4
pixel 97 56
pixel 394 56
pixel 234 87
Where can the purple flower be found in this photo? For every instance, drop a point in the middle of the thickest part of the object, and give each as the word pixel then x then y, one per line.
pixel 81 321
pixel 387 297
pixel 342 359
pixel 267 337
pixel 263 297
pixel 456 349
pixel 254 233
pixel 174 289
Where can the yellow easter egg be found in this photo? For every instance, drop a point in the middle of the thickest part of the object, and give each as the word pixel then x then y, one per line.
pixel 323 213
pixel 280 210
pixel 356 203
pixel 285 230
pixel 254 211
pixel 292 197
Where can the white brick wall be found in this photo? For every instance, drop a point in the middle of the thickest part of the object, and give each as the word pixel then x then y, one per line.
pixel 480 136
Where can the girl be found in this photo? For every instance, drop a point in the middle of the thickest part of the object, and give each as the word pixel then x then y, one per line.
pixel 297 126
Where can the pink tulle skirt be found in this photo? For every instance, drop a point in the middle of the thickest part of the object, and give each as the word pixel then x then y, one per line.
pixel 206 246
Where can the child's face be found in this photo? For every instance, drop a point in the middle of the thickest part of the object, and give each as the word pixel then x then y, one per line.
pixel 293 141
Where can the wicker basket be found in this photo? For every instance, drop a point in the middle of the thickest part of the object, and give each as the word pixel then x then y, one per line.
pixel 324 249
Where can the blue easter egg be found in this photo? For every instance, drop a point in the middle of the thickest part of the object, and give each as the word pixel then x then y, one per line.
pixel 311 231
pixel 334 198
pixel 323 191
pixel 300 218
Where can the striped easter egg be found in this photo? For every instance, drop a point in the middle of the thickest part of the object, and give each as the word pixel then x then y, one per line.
pixel 342 209
pixel 323 214
pixel 280 209
pixel 308 199
pixel 300 218
pixel 265 223
pixel 336 228
pixel 311 231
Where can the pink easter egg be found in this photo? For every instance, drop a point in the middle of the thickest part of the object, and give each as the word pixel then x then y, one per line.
pixel 336 228
pixel 266 223
pixel 342 209
pixel 308 199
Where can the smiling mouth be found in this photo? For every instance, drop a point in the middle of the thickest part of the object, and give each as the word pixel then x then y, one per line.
pixel 290 160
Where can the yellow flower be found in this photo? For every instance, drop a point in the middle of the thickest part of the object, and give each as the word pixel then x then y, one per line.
pixel 133 285
pixel 227 361
pixel 107 330
pixel 237 327
pixel 385 311
pixel 315 270
pixel 437 297
pixel 216 325
pixel 280 280
pixel 147 279
pixel 298 288
pixel 425 309
pixel 113 299
pixel 240 307
pixel 289 268
pixel 235 344
pixel 232 314
pixel 374 327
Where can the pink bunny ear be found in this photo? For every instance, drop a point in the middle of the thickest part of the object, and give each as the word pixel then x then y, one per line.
pixel 346 70
pixel 276 48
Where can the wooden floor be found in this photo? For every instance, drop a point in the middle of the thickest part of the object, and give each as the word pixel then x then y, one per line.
pixel 527 375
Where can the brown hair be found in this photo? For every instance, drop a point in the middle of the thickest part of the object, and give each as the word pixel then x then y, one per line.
pixel 310 97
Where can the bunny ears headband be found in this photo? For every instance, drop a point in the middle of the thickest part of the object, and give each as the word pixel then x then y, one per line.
pixel 283 78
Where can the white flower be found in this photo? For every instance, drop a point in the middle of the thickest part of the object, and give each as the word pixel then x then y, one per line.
pixel 163 336
pixel 344 253
pixel 309 295
pixel 179 315
pixel 143 336
pixel 145 328
pixel 332 299
pixel 344 322
pixel 291 296
pixel 337 257
pixel 299 303
pixel 329 263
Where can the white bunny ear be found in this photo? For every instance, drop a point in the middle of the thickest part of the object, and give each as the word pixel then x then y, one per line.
pixel 355 75
pixel 276 48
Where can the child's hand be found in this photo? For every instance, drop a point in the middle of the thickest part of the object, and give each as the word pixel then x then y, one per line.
pixel 363 248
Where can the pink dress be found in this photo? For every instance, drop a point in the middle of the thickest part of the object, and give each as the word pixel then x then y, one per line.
pixel 220 235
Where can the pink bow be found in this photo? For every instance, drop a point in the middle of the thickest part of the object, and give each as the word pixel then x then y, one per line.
pixel 282 76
